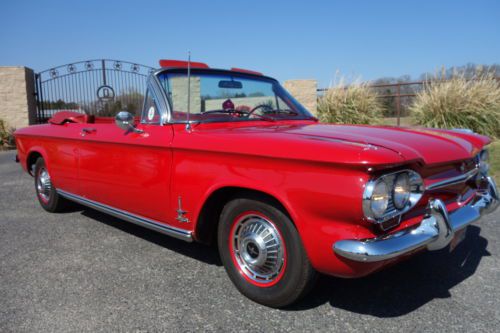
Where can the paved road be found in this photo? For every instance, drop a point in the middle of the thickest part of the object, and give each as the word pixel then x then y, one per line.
pixel 86 271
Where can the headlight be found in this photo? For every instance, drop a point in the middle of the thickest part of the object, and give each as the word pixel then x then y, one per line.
pixel 391 195
pixel 401 191
pixel 484 161
pixel 379 199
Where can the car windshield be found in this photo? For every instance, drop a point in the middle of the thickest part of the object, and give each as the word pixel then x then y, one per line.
pixel 228 97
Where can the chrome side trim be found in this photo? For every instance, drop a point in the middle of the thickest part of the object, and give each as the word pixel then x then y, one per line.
pixel 136 219
pixel 435 232
pixel 463 130
pixel 454 180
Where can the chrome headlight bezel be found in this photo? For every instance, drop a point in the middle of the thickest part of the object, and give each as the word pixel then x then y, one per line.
pixel 416 191
pixel 483 161
pixel 401 191
pixel 380 197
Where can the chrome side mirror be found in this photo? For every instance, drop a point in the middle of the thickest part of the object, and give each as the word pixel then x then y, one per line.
pixel 125 120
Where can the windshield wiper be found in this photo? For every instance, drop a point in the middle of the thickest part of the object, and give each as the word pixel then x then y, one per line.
pixel 285 111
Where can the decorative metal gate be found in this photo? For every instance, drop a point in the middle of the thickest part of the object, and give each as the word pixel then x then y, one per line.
pixel 99 87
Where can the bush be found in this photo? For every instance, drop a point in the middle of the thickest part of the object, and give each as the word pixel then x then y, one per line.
pixel 6 135
pixel 354 104
pixel 460 103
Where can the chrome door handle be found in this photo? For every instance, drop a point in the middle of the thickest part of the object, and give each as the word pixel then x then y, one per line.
pixel 87 130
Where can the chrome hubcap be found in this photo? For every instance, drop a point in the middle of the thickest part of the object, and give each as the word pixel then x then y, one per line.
pixel 43 184
pixel 258 248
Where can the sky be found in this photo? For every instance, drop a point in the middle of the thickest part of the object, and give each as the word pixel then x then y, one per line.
pixel 306 39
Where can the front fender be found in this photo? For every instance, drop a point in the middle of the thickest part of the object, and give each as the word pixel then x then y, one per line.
pixel 323 200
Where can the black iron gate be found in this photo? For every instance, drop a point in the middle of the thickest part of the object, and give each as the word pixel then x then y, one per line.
pixel 99 87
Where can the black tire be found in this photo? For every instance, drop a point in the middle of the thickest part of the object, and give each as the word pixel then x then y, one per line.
pixel 291 279
pixel 46 193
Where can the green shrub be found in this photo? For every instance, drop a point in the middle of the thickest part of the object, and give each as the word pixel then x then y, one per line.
pixel 353 104
pixel 460 103
pixel 6 135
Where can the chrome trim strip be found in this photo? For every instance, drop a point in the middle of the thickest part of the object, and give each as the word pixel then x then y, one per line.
pixel 454 180
pixel 156 84
pixel 136 219
pixel 435 232
pixel 154 88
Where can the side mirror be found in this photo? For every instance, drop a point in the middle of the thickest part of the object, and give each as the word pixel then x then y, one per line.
pixel 126 121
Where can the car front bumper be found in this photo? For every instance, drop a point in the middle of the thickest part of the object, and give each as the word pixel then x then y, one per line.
pixel 435 232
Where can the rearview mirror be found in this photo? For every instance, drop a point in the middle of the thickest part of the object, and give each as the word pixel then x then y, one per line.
pixel 230 84
pixel 126 121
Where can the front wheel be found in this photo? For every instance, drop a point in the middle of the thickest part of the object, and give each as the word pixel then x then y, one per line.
pixel 263 253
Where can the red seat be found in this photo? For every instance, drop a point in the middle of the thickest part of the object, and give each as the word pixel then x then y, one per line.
pixel 63 117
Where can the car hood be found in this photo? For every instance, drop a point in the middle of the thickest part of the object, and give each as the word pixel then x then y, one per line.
pixel 432 146
pixel 341 144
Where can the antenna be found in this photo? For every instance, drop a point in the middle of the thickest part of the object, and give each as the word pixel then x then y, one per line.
pixel 188 125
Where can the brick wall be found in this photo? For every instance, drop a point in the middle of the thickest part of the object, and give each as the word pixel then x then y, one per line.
pixel 17 101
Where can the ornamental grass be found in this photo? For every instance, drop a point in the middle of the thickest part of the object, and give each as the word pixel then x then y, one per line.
pixel 6 135
pixel 353 104
pixel 460 103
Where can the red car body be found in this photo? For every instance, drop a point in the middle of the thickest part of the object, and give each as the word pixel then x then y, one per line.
pixel 317 172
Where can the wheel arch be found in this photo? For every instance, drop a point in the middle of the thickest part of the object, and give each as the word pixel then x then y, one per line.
pixel 32 157
pixel 208 218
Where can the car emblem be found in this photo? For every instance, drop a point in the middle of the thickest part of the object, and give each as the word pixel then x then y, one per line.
pixel 462 167
pixel 181 213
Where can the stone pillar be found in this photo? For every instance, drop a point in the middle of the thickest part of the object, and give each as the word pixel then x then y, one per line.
pixel 179 89
pixel 17 96
pixel 305 91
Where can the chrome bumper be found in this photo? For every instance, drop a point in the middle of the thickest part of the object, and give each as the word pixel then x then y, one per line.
pixel 434 232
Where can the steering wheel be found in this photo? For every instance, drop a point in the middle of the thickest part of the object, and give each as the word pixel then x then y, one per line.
pixel 260 106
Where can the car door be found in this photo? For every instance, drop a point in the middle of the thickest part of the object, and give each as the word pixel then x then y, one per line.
pixel 62 146
pixel 127 170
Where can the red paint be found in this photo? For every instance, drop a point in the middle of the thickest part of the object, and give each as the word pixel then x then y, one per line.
pixel 316 171
pixel 62 117
pixel 182 64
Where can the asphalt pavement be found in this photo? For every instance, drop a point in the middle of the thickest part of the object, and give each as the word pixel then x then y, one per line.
pixel 87 271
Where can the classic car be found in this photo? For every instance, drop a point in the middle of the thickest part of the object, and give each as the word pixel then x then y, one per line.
pixel 229 157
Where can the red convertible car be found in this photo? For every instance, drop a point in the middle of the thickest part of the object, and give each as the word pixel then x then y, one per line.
pixel 229 157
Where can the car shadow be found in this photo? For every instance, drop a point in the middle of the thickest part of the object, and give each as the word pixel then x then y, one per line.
pixel 405 287
pixel 198 251
pixel 392 292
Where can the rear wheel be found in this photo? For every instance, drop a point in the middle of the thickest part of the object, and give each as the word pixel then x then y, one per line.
pixel 49 199
pixel 263 253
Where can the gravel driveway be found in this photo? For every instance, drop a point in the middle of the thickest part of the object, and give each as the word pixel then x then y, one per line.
pixel 86 271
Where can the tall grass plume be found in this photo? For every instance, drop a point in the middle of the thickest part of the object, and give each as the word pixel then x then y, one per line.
pixel 460 103
pixel 356 103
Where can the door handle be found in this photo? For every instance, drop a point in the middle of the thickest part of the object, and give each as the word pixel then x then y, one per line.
pixel 87 130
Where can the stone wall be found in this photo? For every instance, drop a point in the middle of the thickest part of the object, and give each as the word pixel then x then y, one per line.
pixel 17 99
pixel 305 91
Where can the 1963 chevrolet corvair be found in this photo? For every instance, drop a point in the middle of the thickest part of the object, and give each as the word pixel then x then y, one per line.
pixel 228 156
